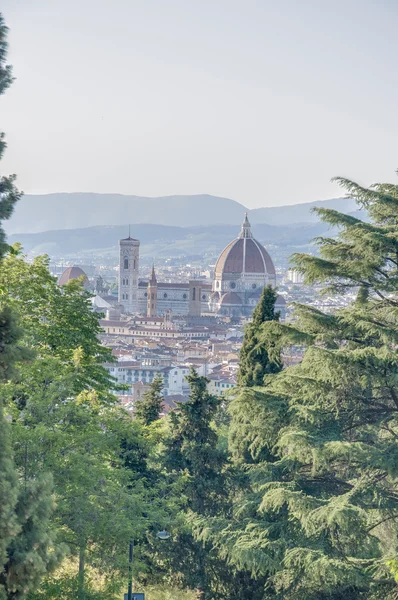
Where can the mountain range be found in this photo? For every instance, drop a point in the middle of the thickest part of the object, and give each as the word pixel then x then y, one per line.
pixel 39 213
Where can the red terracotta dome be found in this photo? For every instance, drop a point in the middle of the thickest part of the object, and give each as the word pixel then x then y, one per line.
pixel 244 255
pixel 72 273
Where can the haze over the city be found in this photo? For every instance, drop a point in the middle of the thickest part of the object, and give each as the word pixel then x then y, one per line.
pixel 258 101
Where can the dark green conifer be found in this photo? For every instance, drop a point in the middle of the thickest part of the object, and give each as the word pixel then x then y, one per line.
pixel 149 407
pixel 9 194
pixel 320 516
pixel 27 547
pixel 258 356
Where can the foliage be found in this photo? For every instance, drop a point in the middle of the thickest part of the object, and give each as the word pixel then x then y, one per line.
pixel 259 357
pixel 28 549
pixel 9 195
pixel 192 449
pixel 148 408
pixel 319 516
pixel 58 321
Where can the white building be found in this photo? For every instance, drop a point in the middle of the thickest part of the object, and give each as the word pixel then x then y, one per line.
pixel 133 372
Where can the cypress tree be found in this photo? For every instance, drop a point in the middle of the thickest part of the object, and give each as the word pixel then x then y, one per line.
pixel 259 357
pixel 149 407
pixel 192 446
pixel 196 467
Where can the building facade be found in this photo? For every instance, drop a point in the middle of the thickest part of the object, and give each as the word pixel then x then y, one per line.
pixel 242 270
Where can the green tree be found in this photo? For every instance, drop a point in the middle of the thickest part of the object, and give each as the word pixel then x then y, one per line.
pixel 27 547
pixel 259 357
pixel 319 518
pixel 58 321
pixel 9 194
pixel 101 504
pixel 204 483
pixel 149 407
pixel 192 446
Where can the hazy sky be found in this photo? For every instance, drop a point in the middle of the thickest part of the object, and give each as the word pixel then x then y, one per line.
pixel 260 101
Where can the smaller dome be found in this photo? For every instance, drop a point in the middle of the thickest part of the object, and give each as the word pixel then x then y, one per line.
pixel 230 298
pixel 280 301
pixel 215 296
pixel 72 273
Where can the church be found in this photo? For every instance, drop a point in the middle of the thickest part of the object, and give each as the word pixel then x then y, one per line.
pixel 243 268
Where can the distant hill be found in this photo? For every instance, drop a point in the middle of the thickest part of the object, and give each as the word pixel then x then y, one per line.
pixel 70 211
pixel 49 212
pixel 300 213
pixel 161 240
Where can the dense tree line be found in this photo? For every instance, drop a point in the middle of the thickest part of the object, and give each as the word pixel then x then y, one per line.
pixel 285 489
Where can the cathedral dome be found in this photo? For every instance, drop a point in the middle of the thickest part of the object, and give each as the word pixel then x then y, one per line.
pixel 244 255
pixel 72 273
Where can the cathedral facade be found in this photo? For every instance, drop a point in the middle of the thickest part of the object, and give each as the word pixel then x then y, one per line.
pixel 243 268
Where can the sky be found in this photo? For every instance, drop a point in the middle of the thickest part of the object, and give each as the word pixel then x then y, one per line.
pixel 257 100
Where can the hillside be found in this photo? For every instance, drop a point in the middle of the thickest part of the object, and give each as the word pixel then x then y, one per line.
pixel 70 211
pixel 50 212
pixel 299 213
pixel 160 240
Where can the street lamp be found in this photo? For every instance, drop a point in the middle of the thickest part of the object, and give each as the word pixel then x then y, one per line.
pixel 162 535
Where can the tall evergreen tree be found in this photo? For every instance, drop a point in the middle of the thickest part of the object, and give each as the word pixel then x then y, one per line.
pixel 192 446
pixel 9 194
pixel 320 517
pixel 27 546
pixel 257 357
pixel 149 407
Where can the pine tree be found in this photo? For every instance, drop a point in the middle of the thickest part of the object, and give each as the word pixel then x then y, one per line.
pixel 257 357
pixel 320 517
pixel 9 194
pixel 192 446
pixel 27 546
pixel 149 407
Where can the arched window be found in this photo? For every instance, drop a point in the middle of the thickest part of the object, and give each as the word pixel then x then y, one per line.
pixel 194 293
pixel 126 281
pixel 135 263
pixel 126 263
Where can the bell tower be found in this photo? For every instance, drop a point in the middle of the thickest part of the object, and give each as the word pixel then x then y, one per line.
pixel 129 253
pixel 152 300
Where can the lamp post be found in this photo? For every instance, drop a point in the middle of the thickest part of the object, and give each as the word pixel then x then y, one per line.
pixel 162 535
pixel 130 588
